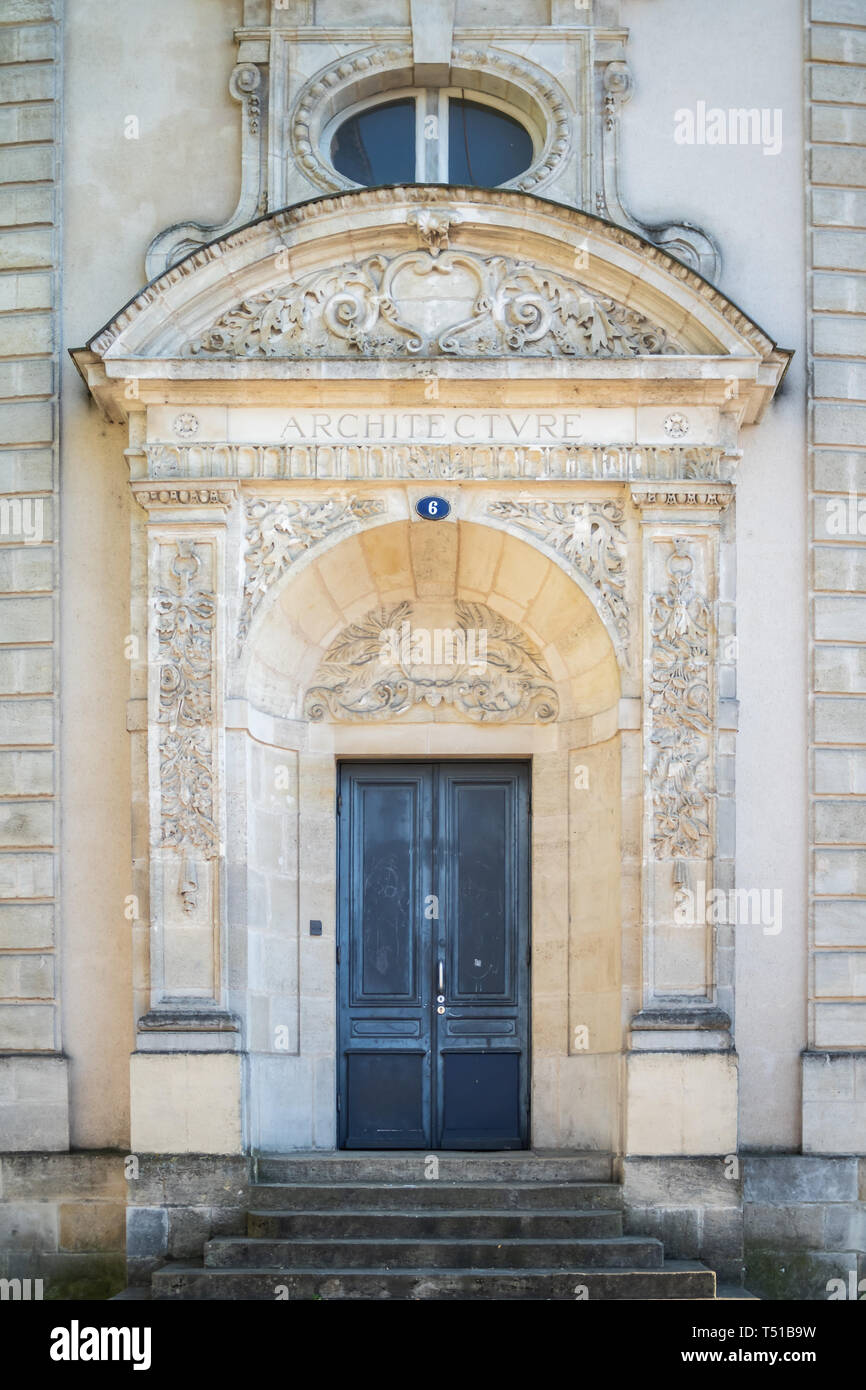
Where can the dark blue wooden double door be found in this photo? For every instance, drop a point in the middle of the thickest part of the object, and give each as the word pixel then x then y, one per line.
pixel 433 955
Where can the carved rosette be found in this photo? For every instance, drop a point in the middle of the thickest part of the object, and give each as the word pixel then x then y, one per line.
pixel 588 535
pixel 428 303
pixel 184 620
pixel 278 532
pixel 680 712
pixel 379 668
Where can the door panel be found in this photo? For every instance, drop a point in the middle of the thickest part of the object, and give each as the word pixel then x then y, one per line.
pixel 433 946
pixel 384 959
pixel 481 1041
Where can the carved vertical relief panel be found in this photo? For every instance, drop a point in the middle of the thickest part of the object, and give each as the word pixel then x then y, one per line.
pixel 185 756
pixel 680 717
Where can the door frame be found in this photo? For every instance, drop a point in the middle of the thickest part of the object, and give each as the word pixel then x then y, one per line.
pixel 524 850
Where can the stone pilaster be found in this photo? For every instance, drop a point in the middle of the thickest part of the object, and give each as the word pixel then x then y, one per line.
pixel 186 792
pixel 681 1071
pixel 188 1025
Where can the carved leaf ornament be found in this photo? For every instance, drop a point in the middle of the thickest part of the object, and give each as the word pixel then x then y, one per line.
pixel 588 535
pixel 681 718
pixel 429 303
pixel 184 624
pixel 372 670
pixel 278 532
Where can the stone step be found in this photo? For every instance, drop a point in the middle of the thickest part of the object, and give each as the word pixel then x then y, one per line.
pixel 625 1252
pixel 428 1224
pixel 373 1196
pixel 676 1279
pixel 382 1167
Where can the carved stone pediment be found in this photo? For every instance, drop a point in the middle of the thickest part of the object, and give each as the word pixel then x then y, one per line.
pixel 469 658
pixel 428 303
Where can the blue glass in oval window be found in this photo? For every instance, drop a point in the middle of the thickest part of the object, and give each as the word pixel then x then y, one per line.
pixel 378 145
pixel 485 146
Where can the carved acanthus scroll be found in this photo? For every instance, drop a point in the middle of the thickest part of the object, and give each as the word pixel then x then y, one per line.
pixel 184 623
pixel 278 532
pixel 432 302
pixel 680 713
pixel 378 669
pixel 588 534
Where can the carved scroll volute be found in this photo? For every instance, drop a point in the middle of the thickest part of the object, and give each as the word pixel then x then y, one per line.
pixel 248 85
pixel 690 244
pixel 185 760
pixel 680 730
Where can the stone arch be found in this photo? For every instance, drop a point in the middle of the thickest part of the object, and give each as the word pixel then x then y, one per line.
pixel 431 566
pixel 584 812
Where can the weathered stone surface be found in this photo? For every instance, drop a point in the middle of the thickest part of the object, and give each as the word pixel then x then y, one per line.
pixel 789 1179
pixel 784 1227
pixel 146 1232
pixel 795 1275
pixel 665 1182
pixel 196 1180
pixel 92 1226
pixel 845 1227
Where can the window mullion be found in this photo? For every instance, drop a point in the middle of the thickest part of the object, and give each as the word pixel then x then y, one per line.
pixel 442 147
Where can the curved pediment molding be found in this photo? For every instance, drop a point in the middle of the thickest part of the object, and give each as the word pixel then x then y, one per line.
pixel 497 232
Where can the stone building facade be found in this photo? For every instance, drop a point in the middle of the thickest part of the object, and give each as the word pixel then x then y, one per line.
pixel 631 377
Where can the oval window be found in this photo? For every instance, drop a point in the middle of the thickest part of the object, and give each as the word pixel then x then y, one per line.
pixel 470 142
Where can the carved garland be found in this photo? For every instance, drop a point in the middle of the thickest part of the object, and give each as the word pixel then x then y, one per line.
pixel 681 627
pixel 367 308
pixel 278 532
pixel 589 535
pixel 184 622
pixel 373 670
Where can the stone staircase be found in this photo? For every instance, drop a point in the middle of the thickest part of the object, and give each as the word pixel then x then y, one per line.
pixel 490 1226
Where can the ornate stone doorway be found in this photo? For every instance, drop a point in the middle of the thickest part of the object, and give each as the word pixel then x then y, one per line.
pixel 576 395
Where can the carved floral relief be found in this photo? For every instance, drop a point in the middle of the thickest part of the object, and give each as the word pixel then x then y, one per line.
pixel 378 668
pixel 682 719
pixel 185 615
pixel 588 534
pixel 432 302
pixel 279 531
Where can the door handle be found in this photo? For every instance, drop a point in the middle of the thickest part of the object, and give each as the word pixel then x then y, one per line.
pixel 440 976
